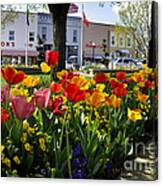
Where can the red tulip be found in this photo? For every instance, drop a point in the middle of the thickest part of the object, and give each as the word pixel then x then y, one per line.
pixel 100 78
pixel 73 93
pixel 114 83
pixel 22 108
pixel 56 106
pixel 120 91
pixel 149 84
pixel 12 76
pixel 55 87
pixel 120 75
pixel 42 98
pixel 52 58
pixel 4 115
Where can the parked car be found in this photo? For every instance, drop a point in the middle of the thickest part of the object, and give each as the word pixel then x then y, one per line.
pixel 140 62
pixel 72 61
pixel 124 63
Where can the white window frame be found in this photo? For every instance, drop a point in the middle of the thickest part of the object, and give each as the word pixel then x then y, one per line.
pixel 112 35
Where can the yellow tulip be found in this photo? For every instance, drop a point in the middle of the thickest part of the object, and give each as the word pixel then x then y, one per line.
pixel 141 84
pixel 45 68
pixel 100 87
pixel 134 115
pixel 60 74
pixel 30 81
pixel 81 82
pixel 19 91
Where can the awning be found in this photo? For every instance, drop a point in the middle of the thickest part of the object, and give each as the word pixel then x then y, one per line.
pixel 18 53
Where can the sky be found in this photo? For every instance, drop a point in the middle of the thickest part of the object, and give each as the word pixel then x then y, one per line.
pixel 94 12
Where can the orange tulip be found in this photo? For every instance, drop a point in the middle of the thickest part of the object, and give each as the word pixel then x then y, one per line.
pixel 142 97
pixel 80 81
pixel 114 101
pixel 96 99
pixel 12 76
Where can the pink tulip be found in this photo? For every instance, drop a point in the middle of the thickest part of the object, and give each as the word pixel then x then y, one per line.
pixel 22 108
pixel 5 93
pixel 42 98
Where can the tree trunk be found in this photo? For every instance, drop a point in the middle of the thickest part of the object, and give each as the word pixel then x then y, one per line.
pixel 59 16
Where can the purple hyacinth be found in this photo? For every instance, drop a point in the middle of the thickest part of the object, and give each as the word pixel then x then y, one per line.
pixel 77 151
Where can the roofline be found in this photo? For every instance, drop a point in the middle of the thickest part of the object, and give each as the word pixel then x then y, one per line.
pixel 104 24
pixel 21 12
pixel 37 13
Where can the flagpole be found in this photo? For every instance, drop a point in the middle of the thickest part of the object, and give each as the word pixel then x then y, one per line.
pixel 26 36
pixel 83 31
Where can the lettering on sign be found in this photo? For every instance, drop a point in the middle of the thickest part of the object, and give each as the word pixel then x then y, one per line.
pixel 11 44
pixel 89 45
pixel 7 44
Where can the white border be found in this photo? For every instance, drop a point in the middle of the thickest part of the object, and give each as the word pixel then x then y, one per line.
pixel 43 182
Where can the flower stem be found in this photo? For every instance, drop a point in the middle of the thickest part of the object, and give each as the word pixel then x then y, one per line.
pixel 68 152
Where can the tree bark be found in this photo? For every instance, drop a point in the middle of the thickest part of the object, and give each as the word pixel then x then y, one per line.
pixel 59 16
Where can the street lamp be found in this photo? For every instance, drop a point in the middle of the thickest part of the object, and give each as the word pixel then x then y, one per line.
pixel 93 51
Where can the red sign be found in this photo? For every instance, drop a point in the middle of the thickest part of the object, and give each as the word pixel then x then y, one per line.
pixel 89 45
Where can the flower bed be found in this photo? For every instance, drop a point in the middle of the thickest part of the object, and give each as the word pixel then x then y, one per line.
pixel 75 128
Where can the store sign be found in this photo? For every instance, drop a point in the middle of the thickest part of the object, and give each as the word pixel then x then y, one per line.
pixel 89 45
pixel 11 44
pixel 7 44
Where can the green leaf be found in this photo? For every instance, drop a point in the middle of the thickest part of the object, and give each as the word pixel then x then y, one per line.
pixel 15 133
pixel 97 167
pixel 46 121
pixel 29 160
pixel 119 137
pixel 32 120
